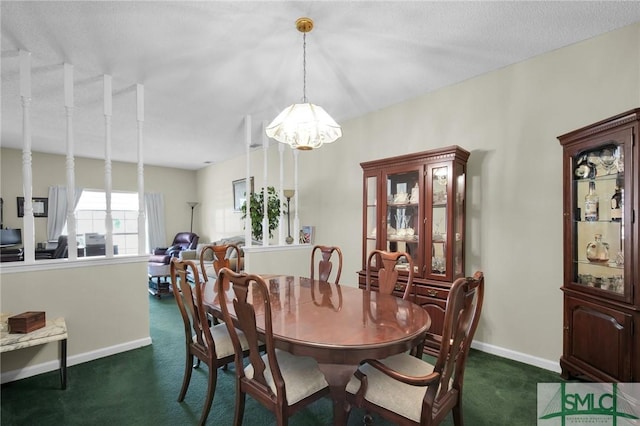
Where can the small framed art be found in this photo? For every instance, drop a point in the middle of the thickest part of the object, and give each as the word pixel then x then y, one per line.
pixel 240 192
pixel 40 207
pixel 307 234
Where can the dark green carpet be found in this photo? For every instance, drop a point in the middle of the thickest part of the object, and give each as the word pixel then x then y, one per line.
pixel 140 387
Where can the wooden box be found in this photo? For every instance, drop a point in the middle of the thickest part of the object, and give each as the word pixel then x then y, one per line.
pixel 26 322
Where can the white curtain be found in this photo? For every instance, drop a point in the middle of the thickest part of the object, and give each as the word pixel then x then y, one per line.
pixel 156 235
pixel 57 216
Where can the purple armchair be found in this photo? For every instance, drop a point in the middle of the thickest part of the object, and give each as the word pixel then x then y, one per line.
pixel 182 241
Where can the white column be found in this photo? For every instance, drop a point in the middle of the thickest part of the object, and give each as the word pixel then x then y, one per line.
pixel 108 220
pixel 28 234
pixel 70 164
pixel 296 221
pixel 281 235
pixel 265 175
pixel 247 219
pixel 142 234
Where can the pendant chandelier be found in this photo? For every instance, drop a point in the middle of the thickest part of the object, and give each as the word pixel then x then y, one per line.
pixel 304 126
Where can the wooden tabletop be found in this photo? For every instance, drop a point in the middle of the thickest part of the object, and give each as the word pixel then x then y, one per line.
pixel 337 325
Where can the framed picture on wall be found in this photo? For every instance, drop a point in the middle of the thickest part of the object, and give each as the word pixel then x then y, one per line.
pixel 40 207
pixel 240 192
pixel 307 234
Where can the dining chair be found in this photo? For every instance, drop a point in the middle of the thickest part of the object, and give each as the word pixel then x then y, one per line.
pixel 388 266
pixel 209 344
pixel 282 382
pixel 222 258
pixel 410 391
pixel 325 265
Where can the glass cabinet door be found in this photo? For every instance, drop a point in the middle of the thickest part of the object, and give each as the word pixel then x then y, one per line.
pixel 458 236
pixel 371 216
pixel 403 214
pixel 439 181
pixel 445 220
pixel 598 219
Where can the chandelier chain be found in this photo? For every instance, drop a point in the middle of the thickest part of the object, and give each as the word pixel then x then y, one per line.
pixel 304 68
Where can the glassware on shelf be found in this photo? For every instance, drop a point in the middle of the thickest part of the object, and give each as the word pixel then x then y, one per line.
pixel 401 198
pixel 585 169
pixel 438 264
pixel 598 250
pixel 585 279
pixel 400 219
pixel 415 195
pixel 619 160
pixel 608 159
pixel 619 284
pixel 593 157
pixel 617 202
pixel 440 174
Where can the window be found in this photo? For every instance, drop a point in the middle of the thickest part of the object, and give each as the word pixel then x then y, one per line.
pixel 92 210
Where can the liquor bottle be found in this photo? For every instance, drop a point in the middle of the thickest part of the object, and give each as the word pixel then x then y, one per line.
pixel 616 205
pixel 591 204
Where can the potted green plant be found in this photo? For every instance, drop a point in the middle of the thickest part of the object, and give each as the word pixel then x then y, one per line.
pixel 256 211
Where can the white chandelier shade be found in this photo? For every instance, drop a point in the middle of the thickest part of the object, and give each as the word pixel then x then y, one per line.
pixel 304 126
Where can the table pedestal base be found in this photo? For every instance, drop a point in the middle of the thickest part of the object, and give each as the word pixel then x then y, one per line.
pixel 338 375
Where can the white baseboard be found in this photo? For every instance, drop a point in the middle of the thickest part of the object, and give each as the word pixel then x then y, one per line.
pixel 45 367
pixel 34 370
pixel 517 356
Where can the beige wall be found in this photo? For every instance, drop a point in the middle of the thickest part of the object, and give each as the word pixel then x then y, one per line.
pixel 177 185
pixel 105 304
pixel 509 121
pixel 290 260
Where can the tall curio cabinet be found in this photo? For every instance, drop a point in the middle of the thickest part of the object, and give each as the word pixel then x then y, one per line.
pixel 601 253
pixel 416 203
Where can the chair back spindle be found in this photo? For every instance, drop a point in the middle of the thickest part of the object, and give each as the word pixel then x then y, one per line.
pixel 388 264
pixel 325 265
pixel 189 301
pixel 221 258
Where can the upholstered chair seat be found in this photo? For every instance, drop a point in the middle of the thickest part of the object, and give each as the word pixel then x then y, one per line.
pixel 300 373
pixel 393 395
pixel 224 345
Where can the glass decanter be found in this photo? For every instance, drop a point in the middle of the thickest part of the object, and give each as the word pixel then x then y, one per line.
pixel 598 250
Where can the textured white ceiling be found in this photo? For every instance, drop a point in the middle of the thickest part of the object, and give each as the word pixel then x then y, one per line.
pixel 205 65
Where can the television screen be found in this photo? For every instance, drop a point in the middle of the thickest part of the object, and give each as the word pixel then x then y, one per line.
pixel 10 237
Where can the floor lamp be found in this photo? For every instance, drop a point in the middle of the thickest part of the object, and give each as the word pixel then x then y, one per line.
pixel 288 193
pixel 193 205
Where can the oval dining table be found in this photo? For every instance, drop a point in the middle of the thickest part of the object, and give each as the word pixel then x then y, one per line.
pixel 339 326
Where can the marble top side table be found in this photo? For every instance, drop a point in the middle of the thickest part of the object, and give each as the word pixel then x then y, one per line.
pixel 54 330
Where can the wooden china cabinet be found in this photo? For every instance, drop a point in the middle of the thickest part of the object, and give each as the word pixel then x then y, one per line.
pixel 416 203
pixel 601 251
